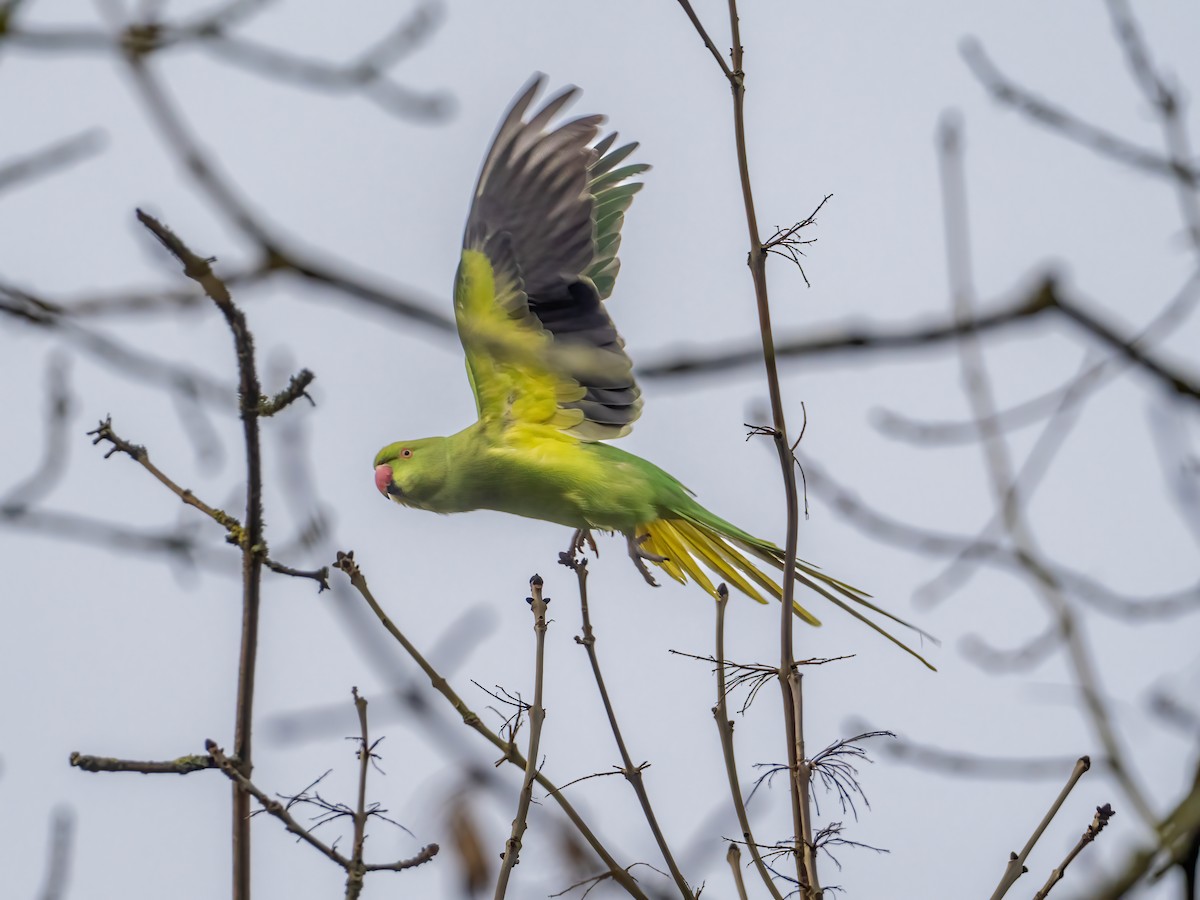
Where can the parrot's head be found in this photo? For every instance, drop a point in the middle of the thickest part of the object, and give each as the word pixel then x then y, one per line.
pixel 412 472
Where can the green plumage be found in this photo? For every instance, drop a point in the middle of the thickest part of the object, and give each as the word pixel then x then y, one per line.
pixel 551 377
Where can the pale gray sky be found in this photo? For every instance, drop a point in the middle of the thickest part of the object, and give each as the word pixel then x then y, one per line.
pixel 132 657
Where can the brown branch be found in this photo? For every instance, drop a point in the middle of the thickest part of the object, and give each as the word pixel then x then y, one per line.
pixel 320 576
pixel 184 765
pixel 1016 861
pixel 345 563
pixel 356 870
pixel 236 533
pixel 632 773
pixel 139 454
pixel 297 387
pixel 253 549
pixel 1103 814
pixel 806 873
pixel 537 715
pixel 273 807
pixel 725 729
pixel 712 48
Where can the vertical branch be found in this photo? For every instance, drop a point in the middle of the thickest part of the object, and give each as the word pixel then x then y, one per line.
pixel 537 714
pixel 356 870
pixel 251 538
pixel 725 728
pixel 806 875
pixel 808 849
pixel 805 862
pixel 632 773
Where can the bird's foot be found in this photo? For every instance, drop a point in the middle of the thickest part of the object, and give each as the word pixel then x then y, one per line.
pixel 583 537
pixel 640 556
pixel 580 541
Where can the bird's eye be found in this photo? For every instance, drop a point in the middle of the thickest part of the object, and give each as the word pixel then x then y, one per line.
pixel 405 453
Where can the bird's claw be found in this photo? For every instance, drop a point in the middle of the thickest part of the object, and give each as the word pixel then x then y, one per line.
pixel 580 541
pixel 583 536
pixel 640 557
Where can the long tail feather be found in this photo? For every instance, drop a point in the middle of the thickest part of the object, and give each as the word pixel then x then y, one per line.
pixel 690 541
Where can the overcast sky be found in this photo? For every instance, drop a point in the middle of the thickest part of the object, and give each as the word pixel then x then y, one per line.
pixel 134 656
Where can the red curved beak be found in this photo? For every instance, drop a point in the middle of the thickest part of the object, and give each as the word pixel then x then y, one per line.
pixel 383 478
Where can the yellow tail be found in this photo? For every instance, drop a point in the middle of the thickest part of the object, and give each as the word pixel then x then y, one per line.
pixel 686 543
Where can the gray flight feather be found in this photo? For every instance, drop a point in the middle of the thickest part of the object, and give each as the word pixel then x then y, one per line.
pixel 548 211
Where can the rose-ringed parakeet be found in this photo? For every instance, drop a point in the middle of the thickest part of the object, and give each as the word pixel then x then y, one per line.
pixel 551 377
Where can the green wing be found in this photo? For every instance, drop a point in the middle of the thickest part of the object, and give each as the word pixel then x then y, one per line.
pixel 539 257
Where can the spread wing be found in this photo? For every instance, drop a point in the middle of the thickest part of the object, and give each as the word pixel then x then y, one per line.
pixel 539 258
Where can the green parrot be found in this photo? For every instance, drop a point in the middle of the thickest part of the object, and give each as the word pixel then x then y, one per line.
pixel 551 377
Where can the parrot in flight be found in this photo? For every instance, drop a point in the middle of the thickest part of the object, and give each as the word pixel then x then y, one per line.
pixel 551 377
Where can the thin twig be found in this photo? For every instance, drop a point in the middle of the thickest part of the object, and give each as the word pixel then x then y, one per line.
pixel 345 563
pixel 632 773
pixel 184 765
pixel 355 871
pixel 757 262
pixel 138 453
pixel 276 809
pixel 802 777
pixel 1103 814
pixel 236 534
pixel 537 715
pixel 712 48
pixel 725 730
pixel 1016 862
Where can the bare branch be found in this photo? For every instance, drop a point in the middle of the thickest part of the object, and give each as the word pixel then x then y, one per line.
pixel 1016 862
pixel 276 809
pixel 725 731
pixel 1103 814
pixel 345 563
pixel 632 773
pixel 184 765
pixel 537 715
